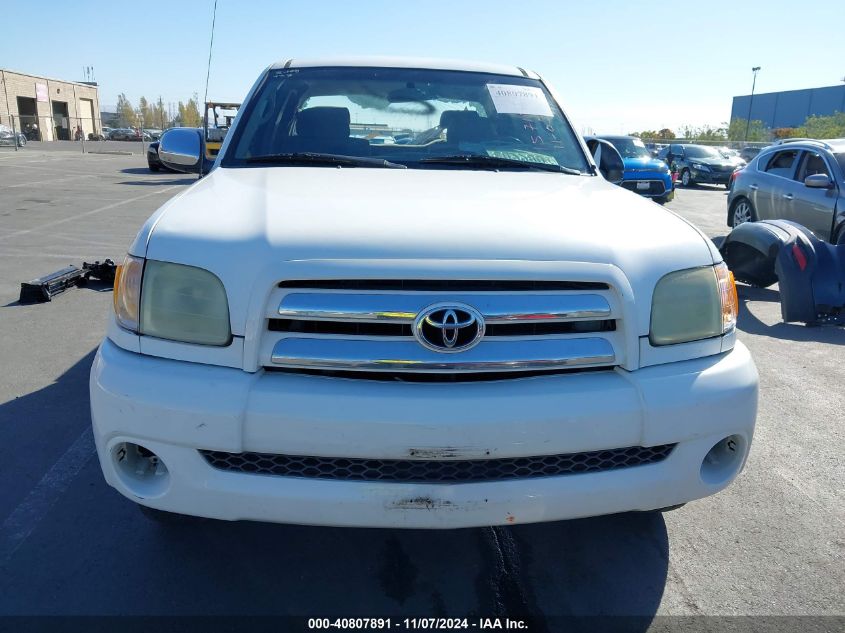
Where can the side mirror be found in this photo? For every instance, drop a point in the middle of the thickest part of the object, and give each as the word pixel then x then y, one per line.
pixel 181 149
pixel 654 153
pixel 608 159
pixel 818 181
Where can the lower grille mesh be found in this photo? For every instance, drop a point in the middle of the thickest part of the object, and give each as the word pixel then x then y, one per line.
pixel 436 471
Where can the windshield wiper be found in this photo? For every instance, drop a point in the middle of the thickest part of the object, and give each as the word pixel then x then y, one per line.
pixel 316 158
pixel 483 160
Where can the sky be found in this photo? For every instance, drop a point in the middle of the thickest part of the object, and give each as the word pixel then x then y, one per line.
pixel 617 66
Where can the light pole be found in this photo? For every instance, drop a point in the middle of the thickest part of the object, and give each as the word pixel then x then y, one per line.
pixel 751 101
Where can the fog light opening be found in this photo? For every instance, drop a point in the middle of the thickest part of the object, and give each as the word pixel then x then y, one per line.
pixel 724 460
pixel 140 470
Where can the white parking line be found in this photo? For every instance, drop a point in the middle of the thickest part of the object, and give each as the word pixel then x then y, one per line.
pixel 50 181
pixel 87 213
pixel 31 511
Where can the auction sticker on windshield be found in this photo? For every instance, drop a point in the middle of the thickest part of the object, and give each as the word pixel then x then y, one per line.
pixel 522 155
pixel 512 99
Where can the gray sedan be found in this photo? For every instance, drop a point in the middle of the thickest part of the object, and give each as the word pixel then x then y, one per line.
pixel 799 180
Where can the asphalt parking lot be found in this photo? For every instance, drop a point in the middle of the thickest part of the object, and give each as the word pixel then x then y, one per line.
pixel 772 544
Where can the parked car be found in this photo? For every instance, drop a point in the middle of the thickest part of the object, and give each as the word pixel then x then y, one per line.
pixel 802 181
pixel 644 174
pixel 153 161
pixel 11 137
pixel 128 134
pixel 747 153
pixel 480 331
pixel 152 134
pixel 120 134
pixel 729 152
pixel 696 164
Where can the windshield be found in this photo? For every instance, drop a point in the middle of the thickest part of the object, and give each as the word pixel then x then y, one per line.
pixel 701 151
pixel 411 117
pixel 630 147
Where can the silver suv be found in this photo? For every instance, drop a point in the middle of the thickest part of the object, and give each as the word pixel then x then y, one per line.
pixel 797 179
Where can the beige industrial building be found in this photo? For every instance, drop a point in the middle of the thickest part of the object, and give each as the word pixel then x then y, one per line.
pixel 48 109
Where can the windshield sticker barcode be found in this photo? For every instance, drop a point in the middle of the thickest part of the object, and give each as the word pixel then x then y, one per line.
pixel 523 155
pixel 513 99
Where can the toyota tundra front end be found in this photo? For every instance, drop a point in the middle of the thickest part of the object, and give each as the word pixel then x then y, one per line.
pixel 462 324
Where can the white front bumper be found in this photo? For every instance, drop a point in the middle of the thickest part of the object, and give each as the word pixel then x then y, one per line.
pixel 174 408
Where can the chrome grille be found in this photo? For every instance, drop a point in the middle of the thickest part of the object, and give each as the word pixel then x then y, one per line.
pixel 447 285
pixel 374 326
pixel 436 471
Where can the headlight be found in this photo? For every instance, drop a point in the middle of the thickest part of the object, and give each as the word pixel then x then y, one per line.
pixel 175 302
pixel 127 292
pixel 693 304
pixel 700 167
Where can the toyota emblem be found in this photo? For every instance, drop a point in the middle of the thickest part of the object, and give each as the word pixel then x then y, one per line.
pixel 449 327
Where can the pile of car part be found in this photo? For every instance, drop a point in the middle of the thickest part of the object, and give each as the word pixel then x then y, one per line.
pixel 45 288
pixel 810 273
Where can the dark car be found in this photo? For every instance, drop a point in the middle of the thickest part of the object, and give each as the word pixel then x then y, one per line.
pixel 121 134
pixel 696 164
pixel 9 137
pixel 153 161
pixel 128 134
pixel 747 153
pixel 802 181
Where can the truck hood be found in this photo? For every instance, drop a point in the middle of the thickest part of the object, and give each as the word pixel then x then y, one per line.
pixel 251 225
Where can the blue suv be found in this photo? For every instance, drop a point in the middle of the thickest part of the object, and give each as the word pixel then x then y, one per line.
pixel 644 174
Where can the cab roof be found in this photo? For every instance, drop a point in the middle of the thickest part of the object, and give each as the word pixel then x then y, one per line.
pixel 406 62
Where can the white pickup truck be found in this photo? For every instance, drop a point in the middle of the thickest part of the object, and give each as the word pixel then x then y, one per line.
pixel 468 326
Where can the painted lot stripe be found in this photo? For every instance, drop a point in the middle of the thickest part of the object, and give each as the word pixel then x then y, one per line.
pixel 107 207
pixel 54 170
pixel 31 511
pixel 59 256
pixel 51 181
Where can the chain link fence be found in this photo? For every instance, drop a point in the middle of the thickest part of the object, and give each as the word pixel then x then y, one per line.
pixel 715 143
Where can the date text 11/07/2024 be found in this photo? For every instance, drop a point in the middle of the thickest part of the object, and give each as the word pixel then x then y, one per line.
pixel 431 624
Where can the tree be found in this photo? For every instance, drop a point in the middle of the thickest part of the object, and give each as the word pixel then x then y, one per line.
pixel 652 135
pixel 707 133
pixel 160 116
pixel 145 113
pixel 125 112
pixel 688 132
pixel 189 114
pixel 832 126
pixel 786 132
pixel 757 130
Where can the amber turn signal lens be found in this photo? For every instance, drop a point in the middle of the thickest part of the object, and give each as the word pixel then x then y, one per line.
pixel 728 296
